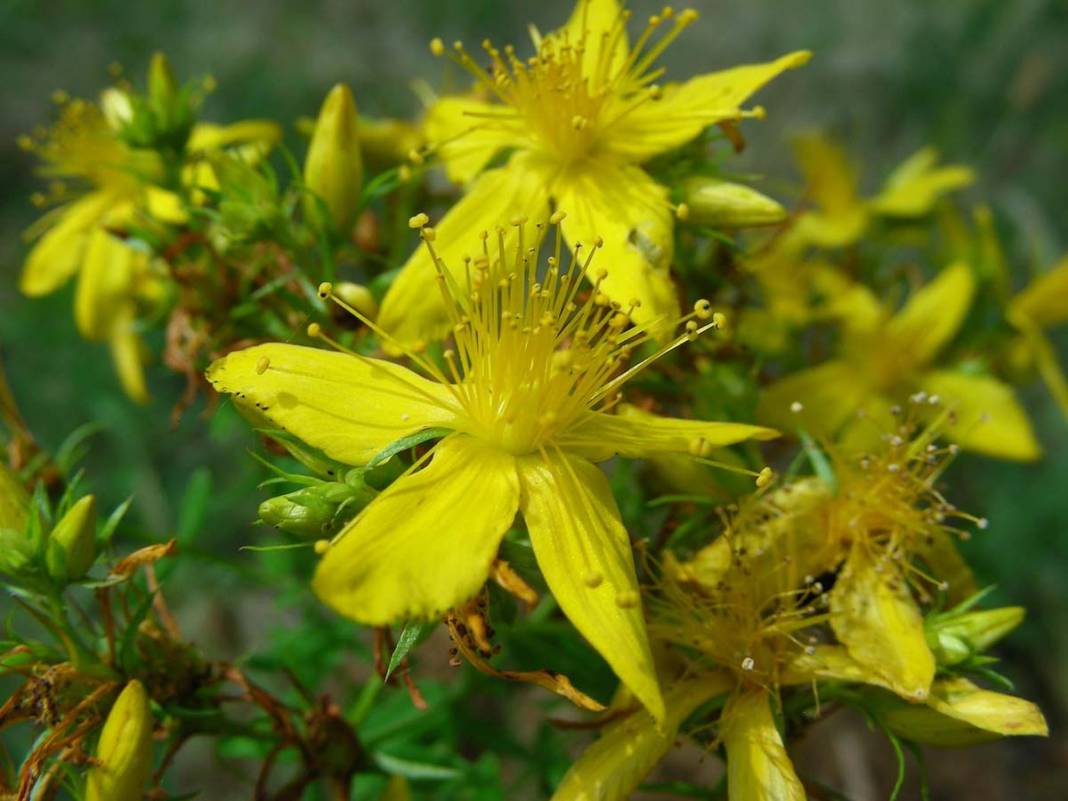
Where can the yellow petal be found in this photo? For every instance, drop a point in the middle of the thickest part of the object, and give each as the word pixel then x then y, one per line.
pixel 758 767
pixel 457 127
pixel 1044 301
pixel 629 211
pixel 58 254
pixel 959 713
pixel 827 394
pixel 613 767
pixel 600 436
pixel 427 542
pixel 874 616
pixel 126 355
pixel 165 205
pixel 413 310
pixel 686 109
pixel 830 179
pixel 349 407
pixel 989 419
pixel 105 285
pixel 592 24
pixel 207 136
pixel 584 553
pixel 917 185
pixel 828 662
pixel 932 315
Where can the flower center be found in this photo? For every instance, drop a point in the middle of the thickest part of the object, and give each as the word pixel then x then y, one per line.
pixel 579 84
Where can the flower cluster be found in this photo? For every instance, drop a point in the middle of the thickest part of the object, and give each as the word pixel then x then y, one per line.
pixel 699 435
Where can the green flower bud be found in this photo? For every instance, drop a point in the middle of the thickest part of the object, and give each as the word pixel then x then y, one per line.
pixel 72 544
pixel 722 204
pixel 955 637
pixel 14 502
pixel 333 169
pixel 163 89
pixel 16 551
pixel 316 510
pixel 124 753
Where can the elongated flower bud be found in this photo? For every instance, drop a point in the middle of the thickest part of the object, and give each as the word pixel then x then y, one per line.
pixel 722 204
pixel 14 502
pixel 72 544
pixel 958 637
pixel 162 85
pixel 333 169
pixel 316 510
pixel 124 754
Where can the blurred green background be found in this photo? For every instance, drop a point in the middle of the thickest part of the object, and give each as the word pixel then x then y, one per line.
pixel 983 80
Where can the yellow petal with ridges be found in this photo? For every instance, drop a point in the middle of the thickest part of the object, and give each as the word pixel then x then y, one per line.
pixel 627 210
pixel 613 767
pixel 592 24
pixel 413 310
pixel 59 253
pixel 456 126
pixel 599 436
pixel 585 555
pixel 427 542
pixel 758 767
pixel 828 394
pixel 208 136
pixel 959 713
pixel 932 315
pixel 105 285
pixel 874 615
pixel 989 419
pixel 686 109
pixel 1044 301
pixel 126 350
pixel 349 407
pixel 914 188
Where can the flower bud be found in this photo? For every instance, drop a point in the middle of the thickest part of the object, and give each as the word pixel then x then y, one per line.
pixel 316 510
pixel 722 204
pixel 124 753
pixel 163 87
pixel 72 544
pixel 14 502
pixel 359 297
pixel 333 169
pixel 956 637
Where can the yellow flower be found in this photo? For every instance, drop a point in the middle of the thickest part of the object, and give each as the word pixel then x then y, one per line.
pixel 744 619
pixel 912 190
pixel 534 367
pixel 121 182
pixel 1042 304
pixel 578 120
pixel 883 362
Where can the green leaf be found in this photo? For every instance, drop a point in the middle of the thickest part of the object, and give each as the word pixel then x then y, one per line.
pixel 409 636
pixel 819 461
pixel 415 770
pixel 194 507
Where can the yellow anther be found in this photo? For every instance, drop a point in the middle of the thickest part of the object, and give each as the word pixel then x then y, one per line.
pixel 578 122
pixel 326 289
pixel 720 319
pixel 437 47
pixel 688 16
pixel 667 12
pixel 593 579
pixel 415 157
pixel 322 546
pixel 419 220
pixel 619 321
pixel 404 173
pixel 691 329
pixel 682 211
pixel 314 330
pixel 520 220
pixel 428 234
pixel 555 218
pixel 764 477
pixel 262 365
pixel 703 309
pixel 598 242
